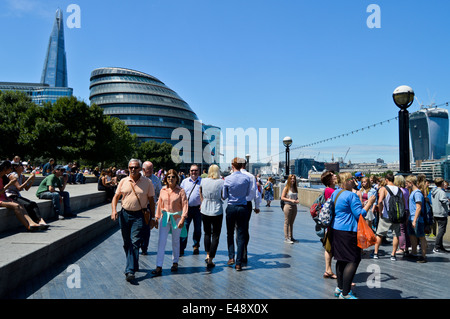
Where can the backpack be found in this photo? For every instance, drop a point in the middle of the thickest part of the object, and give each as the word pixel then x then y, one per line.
pixel 428 211
pixel 327 211
pixel 317 205
pixel 396 211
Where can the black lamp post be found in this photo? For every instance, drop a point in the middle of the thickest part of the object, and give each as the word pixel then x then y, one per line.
pixel 403 97
pixel 287 141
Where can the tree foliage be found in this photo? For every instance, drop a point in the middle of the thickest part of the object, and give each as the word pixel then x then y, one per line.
pixel 158 153
pixel 66 130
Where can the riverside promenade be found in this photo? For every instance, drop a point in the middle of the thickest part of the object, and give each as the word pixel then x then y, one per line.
pixel 93 265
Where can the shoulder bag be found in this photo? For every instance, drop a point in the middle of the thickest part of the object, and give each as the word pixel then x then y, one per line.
pixel 145 211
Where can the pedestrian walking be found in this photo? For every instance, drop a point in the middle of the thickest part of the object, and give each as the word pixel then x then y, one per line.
pixel 191 187
pixel 171 213
pixel 268 191
pixel 344 245
pixel 254 196
pixel 416 224
pixel 236 189
pixel 329 179
pixel 290 197
pixel 212 212
pixel 385 224
pixel 440 203
pixel 147 171
pixel 136 192
pixel 403 241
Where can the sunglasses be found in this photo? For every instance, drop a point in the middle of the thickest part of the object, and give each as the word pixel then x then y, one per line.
pixel 171 176
pixel 133 167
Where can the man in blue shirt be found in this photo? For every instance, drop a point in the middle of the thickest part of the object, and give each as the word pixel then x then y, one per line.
pixel 236 188
pixel 191 186
pixel 48 167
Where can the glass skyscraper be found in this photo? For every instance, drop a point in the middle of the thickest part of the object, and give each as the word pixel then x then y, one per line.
pixel 54 75
pixel 429 133
pixel 54 72
pixel 149 108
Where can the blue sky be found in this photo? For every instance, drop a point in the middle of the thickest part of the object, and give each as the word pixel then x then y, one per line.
pixel 311 69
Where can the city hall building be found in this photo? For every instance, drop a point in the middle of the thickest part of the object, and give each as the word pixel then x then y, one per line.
pixel 149 108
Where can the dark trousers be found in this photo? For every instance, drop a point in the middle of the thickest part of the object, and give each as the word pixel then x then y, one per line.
pixel 195 216
pixel 237 217
pixel 55 197
pixel 249 209
pixel 212 226
pixel 131 228
pixel 442 227
pixel 145 234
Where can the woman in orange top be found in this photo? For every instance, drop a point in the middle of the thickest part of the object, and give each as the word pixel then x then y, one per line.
pixel 172 211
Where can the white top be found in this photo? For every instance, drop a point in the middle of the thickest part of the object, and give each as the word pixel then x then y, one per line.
pixel 293 196
pixel 212 196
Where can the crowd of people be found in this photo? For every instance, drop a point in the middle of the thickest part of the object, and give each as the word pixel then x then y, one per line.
pixel 370 197
pixel 173 203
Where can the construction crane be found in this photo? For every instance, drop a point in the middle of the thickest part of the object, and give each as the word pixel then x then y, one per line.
pixel 346 155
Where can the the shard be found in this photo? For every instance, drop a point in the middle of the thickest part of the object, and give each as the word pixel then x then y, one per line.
pixel 54 72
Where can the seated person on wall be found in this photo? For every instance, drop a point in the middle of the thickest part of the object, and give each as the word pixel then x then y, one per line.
pixel 78 174
pixel 19 210
pixel 20 184
pixel 48 167
pixel 47 190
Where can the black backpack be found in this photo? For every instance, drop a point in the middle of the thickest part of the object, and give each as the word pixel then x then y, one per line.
pixel 396 211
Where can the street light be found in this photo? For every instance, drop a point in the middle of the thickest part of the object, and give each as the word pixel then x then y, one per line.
pixel 287 141
pixel 403 97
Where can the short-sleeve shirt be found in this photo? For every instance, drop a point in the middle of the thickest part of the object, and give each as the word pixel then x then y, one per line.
pixel 143 188
pixel 415 197
pixel 328 191
pixel 50 180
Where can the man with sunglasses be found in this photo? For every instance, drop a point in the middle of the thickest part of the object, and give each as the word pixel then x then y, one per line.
pixel 136 191
pixel 191 186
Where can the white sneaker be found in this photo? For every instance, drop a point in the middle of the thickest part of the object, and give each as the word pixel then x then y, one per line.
pixel 288 241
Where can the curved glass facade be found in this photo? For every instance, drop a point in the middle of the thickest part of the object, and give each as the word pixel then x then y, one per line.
pixel 149 108
pixel 429 133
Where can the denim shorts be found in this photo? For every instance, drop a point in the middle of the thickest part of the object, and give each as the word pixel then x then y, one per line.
pixel 419 231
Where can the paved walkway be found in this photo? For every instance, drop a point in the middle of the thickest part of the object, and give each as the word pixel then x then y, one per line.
pixel 275 270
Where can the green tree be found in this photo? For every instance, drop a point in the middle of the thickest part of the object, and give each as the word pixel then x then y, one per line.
pixel 158 153
pixel 16 113
pixel 115 145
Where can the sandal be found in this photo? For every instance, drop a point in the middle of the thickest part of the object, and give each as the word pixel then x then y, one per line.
pixel 329 276
pixel 157 272
pixel 174 267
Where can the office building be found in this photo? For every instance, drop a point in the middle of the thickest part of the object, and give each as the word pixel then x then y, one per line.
pixel 54 72
pixel 429 133
pixel 53 83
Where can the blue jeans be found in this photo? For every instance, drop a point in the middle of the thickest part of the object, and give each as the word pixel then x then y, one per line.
pixel 55 197
pixel 237 217
pixel 131 224
pixel 195 216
